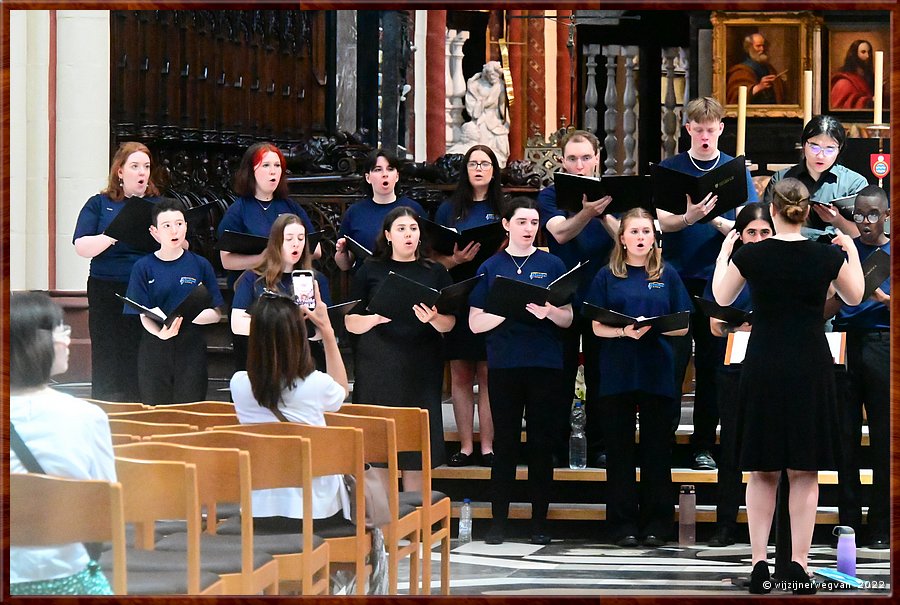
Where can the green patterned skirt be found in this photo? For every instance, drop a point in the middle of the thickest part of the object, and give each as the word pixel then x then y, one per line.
pixel 89 581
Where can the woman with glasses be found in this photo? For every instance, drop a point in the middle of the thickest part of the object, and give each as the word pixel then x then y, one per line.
pixel 363 219
pixel 290 389
pixel 475 202
pixel 286 251
pixel 67 437
pixel 822 140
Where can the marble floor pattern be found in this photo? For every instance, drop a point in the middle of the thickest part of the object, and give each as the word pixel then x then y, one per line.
pixel 579 567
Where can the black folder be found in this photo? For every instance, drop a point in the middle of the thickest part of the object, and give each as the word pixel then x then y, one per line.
pixel 660 323
pixel 455 297
pixel 196 301
pixel 442 239
pixel 242 243
pixel 358 250
pixel 336 313
pixel 508 297
pixel 132 225
pixel 397 295
pixel 728 314
pixel 627 192
pixel 728 182
pixel 876 268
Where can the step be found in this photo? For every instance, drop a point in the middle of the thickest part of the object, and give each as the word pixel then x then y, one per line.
pixel 706 513
pixel 679 475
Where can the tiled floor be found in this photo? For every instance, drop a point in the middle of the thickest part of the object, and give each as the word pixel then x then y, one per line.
pixel 577 567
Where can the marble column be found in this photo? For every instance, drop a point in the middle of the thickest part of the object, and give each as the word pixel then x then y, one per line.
pixel 345 78
pixel 435 83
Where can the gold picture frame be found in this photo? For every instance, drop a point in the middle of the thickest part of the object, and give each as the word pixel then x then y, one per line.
pixel 788 39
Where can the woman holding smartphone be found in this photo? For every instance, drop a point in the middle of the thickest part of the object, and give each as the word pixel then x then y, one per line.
pixel 637 365
pixel 286 252
pixel 399 362
pixel 525 369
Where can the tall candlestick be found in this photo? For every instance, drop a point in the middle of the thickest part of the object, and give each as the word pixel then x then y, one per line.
pixel 741 120
pixel 807 96
pixel 879 85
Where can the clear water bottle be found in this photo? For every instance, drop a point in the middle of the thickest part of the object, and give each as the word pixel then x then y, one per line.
pixel 465 522
pixel 846 549
pixel 577 441
pixel 687 515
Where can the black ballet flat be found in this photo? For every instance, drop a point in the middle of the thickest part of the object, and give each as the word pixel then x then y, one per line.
pixel 542 539
pixel 760 579
pixel 461 459
pixel 495 535
pixel 800 581
pixel 487 459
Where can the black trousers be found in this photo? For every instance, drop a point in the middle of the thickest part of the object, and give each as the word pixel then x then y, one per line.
pixel 650 509
pixel 174 370
pixel 580 335
pixel 539 394
pixel 706 360
pixel 866 383
pixel 114 343
pixel 730 488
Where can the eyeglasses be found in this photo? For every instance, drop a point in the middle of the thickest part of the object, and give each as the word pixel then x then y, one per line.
pixel 872 217
pixel 479 165
pixel 817 149
pixel 574 159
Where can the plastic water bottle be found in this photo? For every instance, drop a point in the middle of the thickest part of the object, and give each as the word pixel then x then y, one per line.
pixel 465 522
pixel 687 515
pixel 577 442
pixel 846 549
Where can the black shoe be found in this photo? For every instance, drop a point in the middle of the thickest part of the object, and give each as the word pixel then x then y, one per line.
pixel 880 543
pixel 760 580
pixel 628 541
pixel 542 539
pixel 460 459
pixel 598 460
pixel 703 461
pixel 653 541
pixel 494 535
pixel 799 580
pixel 724 536
pixel 487 459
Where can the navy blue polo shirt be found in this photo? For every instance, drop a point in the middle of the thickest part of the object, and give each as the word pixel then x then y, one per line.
pixel 693 250
pixel 646 364
pixel 250 286
pixel 164 284
pixel 363 219
pixel 480 213
pixel 869 314
pixel 516 344
pixel 250 215
pixel 114 263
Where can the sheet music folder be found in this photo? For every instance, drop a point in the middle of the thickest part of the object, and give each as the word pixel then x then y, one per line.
pixel 731 315
pixel 247 243
pixel 196 301
pixel 132 225
pixel 876 268
pixel 397 295
pixel 508 297
pixel 631 191
pixel 442 239
pixel 736 349
pixel 659 323
pixel 728 182
pixel 358 250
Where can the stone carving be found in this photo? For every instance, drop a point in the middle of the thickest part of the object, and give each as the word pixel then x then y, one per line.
pixel 487 105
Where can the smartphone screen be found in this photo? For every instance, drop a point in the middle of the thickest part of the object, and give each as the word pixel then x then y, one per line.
pixel 303 288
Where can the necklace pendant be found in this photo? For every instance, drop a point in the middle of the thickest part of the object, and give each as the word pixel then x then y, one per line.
pixel 519 271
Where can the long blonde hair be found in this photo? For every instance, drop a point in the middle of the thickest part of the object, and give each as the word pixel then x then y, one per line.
pixel 272 266
pixel 654 263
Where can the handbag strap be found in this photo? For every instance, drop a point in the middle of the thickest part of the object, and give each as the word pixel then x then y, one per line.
pixel 23 453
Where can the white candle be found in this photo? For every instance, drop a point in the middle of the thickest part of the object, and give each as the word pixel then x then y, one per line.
pixel 807 96
pixel 879 85
pixel 741 120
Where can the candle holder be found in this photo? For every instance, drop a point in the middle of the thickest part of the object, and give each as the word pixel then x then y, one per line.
pixel 879 130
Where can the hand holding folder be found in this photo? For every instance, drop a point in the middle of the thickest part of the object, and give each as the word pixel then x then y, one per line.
pixel 132 225
pixel 659 323
pixel 397 296
pixel 876 268
pixel 627 192
pixel 443 239
pixel 508 297
pixel 727 181
pixel 358 250
pixel 193 304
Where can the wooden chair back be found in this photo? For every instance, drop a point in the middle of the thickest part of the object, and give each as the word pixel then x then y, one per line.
pixel 116 406
pixel 122 438
pixel 143 429
pixel 42 514
pixel 204 407
pixel 198 419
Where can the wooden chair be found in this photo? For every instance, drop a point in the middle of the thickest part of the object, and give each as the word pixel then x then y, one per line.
pixel 42 514
pixel 153 491
pixel 413 435
pixel 380 446
pixel 198 419
pixel 223 475
pixel 204 407
pixel 144 429
pixel 122 438
pixel 335 451
pixel 302 559
pixel 116 406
